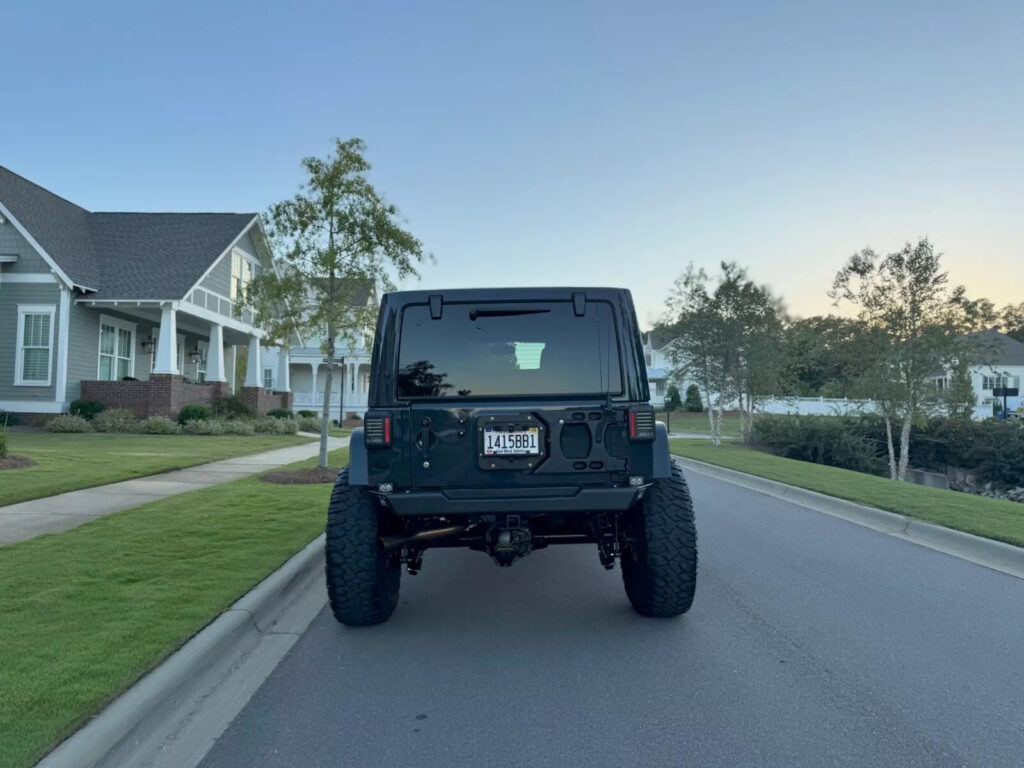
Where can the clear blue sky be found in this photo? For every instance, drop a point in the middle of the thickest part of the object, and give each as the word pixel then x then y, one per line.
pixel 553 142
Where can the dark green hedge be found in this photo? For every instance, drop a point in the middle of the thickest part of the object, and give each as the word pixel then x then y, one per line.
pixel 992 450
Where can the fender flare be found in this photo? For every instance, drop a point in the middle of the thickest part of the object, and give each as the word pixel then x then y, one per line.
pixel 662 453
pixel 358 472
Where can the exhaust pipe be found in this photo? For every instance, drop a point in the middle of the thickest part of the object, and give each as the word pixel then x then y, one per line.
pixel 422 537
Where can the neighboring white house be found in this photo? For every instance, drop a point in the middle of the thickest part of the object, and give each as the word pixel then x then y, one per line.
pixel 306 367
pixel 1005 371
pixel 302 369
pixel 658 366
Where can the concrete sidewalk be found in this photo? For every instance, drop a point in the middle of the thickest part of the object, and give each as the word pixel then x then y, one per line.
pixel 53 514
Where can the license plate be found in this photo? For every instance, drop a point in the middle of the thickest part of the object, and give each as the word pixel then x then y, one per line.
pixel 520 442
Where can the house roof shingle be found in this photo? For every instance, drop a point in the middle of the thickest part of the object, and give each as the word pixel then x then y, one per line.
pixel 996 348
pixel 121 255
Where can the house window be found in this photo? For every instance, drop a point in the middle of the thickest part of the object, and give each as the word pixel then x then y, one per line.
pixel 35 345
pixel 117 349
pixel 268 378
pixel 989 383
pixel 241 274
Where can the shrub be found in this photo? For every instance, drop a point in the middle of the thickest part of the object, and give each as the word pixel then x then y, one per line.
pixel 308 414
pixel 115 420
pixel 238 427
pixel 9 419
pixel 69 423
pixel 310 424
pixel 271 426
pixel 203 427
pixel 672 400
pixel 194 412
pixel 87 409
pixel 279 413
pixel 159 425
pixel 693 403
pixel 231 407
pixel 849 442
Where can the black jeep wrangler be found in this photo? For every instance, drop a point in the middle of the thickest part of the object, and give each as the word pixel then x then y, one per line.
pixel 506 420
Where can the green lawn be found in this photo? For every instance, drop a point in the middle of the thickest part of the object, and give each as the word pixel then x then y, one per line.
pixel 992 518
pixel 66 462
pixel 680 421
pixel 89 611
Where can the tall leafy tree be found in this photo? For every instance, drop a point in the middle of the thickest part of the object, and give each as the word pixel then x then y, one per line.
pixel 337 239
pixel 920 325
pixel 727 340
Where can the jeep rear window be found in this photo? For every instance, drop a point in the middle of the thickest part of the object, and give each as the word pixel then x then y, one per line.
pixel 508 350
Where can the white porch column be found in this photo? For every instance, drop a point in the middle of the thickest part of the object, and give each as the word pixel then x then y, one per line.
pixel 167 343
pixel 215 354
pixel 284 381
pixel 253 369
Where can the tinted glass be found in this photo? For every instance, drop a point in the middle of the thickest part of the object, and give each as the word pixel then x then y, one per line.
pixel 483 350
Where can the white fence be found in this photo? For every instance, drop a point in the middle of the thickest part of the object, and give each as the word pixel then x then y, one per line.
pixel 815 406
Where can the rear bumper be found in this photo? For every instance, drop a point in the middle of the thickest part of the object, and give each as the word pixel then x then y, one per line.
pixel 514 501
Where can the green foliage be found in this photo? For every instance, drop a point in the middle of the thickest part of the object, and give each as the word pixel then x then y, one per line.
pixel 238 427
pixel 115 420
pixel 9 418
pixel 672 400
pixel 87 409
pixel 824 357
pixel 231 407
pixel 272 426
pixel 727 338
pixel 194 412
pixel 279 413
pixel 308 414
pixel 340 244
pixel 3 439
pixel 203 427
pixel 849 442
pixel 693 402
pixel 159 425
pixel 69 423
pixel 310 424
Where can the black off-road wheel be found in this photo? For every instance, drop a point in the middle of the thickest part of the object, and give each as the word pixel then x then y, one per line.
pixel 362 579
pixel 659 557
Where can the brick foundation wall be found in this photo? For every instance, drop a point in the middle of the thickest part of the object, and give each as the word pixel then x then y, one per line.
pixel 262 401
pixel 163 395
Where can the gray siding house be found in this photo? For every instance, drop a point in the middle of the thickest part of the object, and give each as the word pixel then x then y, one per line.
pixel 133 309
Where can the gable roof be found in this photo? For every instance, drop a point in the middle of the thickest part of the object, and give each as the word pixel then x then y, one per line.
pixel 122 255
pixel 998 349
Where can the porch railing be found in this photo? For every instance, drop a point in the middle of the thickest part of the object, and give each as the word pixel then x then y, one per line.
pixel 214 302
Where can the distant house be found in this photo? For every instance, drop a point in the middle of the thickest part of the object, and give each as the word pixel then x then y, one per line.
pixel 999 364
pixel 131 309
pixel 658 365
pixel 306 368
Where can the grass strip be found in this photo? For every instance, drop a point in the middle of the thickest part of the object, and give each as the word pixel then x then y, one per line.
pixel 992 518
pixel 67 462
pixel 89 611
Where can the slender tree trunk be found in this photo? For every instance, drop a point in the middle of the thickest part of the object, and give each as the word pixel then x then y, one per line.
pixel 892 453
pixel 904 448
pixel 711 411
pixel 325 419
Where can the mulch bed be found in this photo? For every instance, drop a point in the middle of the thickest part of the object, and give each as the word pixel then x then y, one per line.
pixel 301 476
pixel 16 462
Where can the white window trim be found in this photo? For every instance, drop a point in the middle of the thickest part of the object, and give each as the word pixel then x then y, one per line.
pixel 124 325
pixel 19 361
pixel 246 261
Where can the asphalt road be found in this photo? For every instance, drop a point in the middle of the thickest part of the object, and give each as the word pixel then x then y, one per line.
pixel 812 642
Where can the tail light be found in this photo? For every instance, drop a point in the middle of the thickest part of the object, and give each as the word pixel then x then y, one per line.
pixel 641 425
pixel 377 430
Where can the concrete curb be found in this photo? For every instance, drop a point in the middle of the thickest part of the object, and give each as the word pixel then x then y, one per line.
pixel 996 555
pixel 240 625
